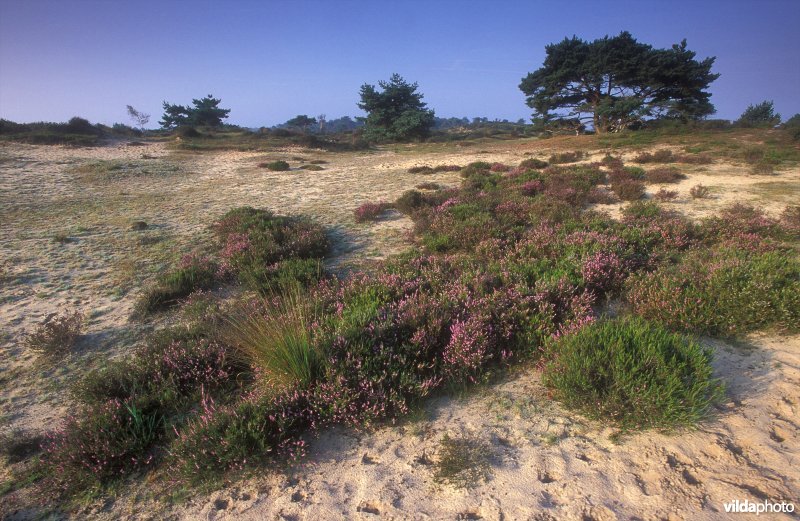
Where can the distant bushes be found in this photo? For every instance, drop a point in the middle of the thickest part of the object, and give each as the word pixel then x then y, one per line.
pixel 77 132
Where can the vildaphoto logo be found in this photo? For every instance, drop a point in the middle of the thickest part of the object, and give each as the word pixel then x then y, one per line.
pixel 738 506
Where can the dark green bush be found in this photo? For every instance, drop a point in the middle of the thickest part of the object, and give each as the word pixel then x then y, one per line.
pixel 633 373
pixel 275 166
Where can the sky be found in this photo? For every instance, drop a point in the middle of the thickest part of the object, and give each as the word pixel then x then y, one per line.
pixel 270 60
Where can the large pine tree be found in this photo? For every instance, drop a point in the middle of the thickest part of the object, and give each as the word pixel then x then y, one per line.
pixel 614 82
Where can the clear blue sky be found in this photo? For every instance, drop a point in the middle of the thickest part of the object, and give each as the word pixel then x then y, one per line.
pixel 271 60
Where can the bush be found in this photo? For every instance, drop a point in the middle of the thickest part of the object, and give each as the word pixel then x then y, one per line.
pixel 629 190
pixel 665 195
pixel 600 196
pixel 659 156
pixel 722 292
pixel 56 335
pixel 790 219
pixel 187 132
pixel 664 175
pixel 567 157
pixel 446 168
pixel 428 186
pixel 420 170
pixel 312 167
pixel 195 272
pixel 632 373
pixel 370 211
pixel 275 166
pixel 533 164
pixel 700 192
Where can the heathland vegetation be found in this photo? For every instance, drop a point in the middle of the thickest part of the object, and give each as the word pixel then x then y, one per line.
pixel 256 347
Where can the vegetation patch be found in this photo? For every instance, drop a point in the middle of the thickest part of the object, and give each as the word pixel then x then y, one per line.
pixel 633 373
pixel 56 335
pixel 275 166
pixel 463 462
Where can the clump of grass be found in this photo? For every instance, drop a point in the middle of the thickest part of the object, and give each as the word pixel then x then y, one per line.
pixel 61 238
pixel 632 373
pixel 700 192
pixel 277 340
pixel 420 170
pixel 318 162
pixel 567 157
pixel 664 175
pixel 370 211
pixel 312 167
pixel 428 186
pixel 56 335
pixel 463 462
pixel 275 166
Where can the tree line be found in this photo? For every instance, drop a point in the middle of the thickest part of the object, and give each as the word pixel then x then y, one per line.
pixel 609 84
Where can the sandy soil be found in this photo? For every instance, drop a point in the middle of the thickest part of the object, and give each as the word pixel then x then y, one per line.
pixel 66 242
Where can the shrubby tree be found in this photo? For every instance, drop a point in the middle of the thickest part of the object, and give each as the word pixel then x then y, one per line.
pixel 617 82
pixel 395 114
pixel 140 119
pixel 301 122
pixel 759 115
pixel 204 112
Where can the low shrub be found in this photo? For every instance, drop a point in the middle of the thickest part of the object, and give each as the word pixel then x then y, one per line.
pixel 56 335
pixel 633 373
pixel 420 170
pixel 463 461
pixel 446 168
pixel 790 219
pixel 612 162
pixel 762 168
pixel 659 156
pixel 428 186
pixel 664 175
pixel 700 192
pixel 721 292
pixel 275 166
pixel 499 167
pixel 599 195
pixel 370 211
pixel 694 159
pixel 567 157
pixel 665 195
pixel 533 164
pixel 629 190
pixel 312 167
pixel 195 272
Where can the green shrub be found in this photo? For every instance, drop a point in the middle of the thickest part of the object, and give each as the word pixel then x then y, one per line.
pixel 194 273
pixel 632 373
pixel 722 292
pixel 567 157
pixel 275 166
pixel 533 163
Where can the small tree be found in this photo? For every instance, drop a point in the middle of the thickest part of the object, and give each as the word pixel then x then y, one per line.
pixel 140 119
pixel 760 115
pixel 203 112
pixel 301 122
pixel 396 114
